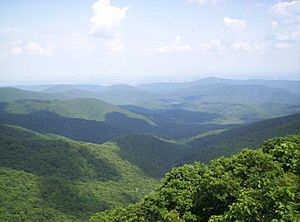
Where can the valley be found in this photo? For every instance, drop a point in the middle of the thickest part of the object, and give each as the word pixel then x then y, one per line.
pixel 70 151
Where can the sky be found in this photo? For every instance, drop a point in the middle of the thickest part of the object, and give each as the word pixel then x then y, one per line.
pixel 139 41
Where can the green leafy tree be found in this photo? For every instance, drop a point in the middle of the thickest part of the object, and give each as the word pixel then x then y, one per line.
pixel 259 185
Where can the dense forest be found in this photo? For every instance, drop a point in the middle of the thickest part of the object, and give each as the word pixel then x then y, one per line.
pixel 50 178
pixel 155 152
pixel 261 185
pixel 149 111
pixel 47 178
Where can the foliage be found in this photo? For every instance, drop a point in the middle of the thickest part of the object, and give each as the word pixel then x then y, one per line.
pixel 234 140
pixel 89 109
pixel 151 154
pixel 250 186
pixel 73 128
pixel 92 120
pixel 285 150
pixel 50 178
pixel 10 94
pixel 20 199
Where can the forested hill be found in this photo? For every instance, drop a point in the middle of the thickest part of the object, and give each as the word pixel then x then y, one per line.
pixel 10 94
pixel 234 140
pixel 252 186
pixel 50 178
pixel 88 109
pixel 93 120
pixel 64 157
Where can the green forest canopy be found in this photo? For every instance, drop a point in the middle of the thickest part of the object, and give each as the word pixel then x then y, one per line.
pixel 51 178
pixel 261 185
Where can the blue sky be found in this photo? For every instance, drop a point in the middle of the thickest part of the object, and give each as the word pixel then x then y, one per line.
pixel 133 41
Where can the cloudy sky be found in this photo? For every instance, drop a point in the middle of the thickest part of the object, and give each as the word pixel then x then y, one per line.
pixel 132 41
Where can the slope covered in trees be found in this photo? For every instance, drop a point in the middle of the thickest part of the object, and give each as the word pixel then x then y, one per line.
pixel 93 120
pixel 10 94
pixel 261 185
pixel 152 155
pixel 236 100
pixel 88 109
pixel 234 140
pixel 49 178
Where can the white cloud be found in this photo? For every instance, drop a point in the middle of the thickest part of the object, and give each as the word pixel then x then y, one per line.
pixel 36 49
pixel 199 2
pixel 248 46
pixel 212 47
pixel 283 45
pixel 286 8
pixel 107 19
pixel 286 24
pixel 202 2
pixel 16 50
pixel 235 25
pixel 274 25
pixel 116 45
pixel 83 47
pixel 176 45
pixel 29 48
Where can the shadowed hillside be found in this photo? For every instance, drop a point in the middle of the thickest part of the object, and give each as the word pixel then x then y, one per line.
pixel 233 140
pixel 44 177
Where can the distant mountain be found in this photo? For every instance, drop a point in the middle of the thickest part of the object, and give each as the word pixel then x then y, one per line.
pixel 292 86
pixel 245 94
pixel 93 120
pixel 73 128
pixel 53 168
pixel 116 94
pixel 125 95
pixel 36 88
pixel 55 179
pixel 289 85
pixel 236 100
pixel 89 120
pixel 119 94
pixel 65 88
pixel 11 94
pixel 89 109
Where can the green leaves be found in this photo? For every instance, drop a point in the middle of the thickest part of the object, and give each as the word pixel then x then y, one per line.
pixel 285 150
pixel 45 178
pixel 251 186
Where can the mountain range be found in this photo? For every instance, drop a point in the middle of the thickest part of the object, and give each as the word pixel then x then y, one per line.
pixel 70 151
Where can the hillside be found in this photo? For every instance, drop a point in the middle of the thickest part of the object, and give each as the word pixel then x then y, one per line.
pixel 116 94
pixel 151 154
pixel 155 156
pixel 65 88
pixel 124 95
pixel 245 94
pixel 93 120
pixel 45 177
pixel 261 185
pixel 50 177
pixel 233 140
pixel 292 86
pixel 88 109
pixel 10 94
pixel 88 120
pixel 238 100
